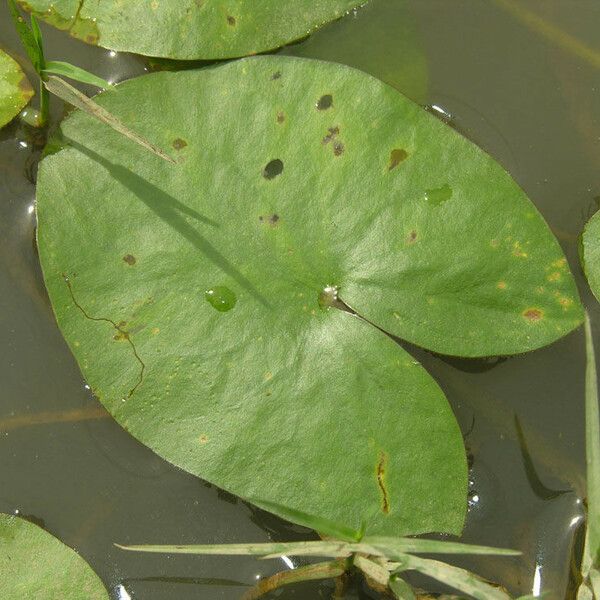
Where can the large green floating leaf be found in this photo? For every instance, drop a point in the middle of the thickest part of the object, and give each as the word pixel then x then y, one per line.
pixel 189 29
pixel 15 89
pixel 37 566
pixel 590 256
pixel 192 294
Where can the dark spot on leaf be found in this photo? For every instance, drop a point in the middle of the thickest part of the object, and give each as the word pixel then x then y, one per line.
pixel 325 102
pixel 397 155
pixel 276 75
pixel 272 220
pixel 178 144
pixel 331 135
pixel 412 237
pixel 130 259
pixel 533 314
pixel 273 168
pixel 338 148
pixel 231 20
pixel 437 196
pixel 280 117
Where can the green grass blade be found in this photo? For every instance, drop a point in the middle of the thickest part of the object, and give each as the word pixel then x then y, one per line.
pixel 28 38
pixel 372 570
pixel 389 546
pixel 455 577
pixel 71 95
pixel 592 439
pixel 401 589
pixel 57 67
pixel 268 550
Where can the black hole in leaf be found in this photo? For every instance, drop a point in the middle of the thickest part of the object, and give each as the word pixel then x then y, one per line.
pixel 274 168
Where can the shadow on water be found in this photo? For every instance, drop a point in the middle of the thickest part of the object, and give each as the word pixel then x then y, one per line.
pixel 170 210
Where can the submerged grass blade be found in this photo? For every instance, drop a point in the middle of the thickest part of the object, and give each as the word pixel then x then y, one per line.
pixel 455 577
pixel 71 95
pixel 372 570
pixel 57 67
pixel 325 570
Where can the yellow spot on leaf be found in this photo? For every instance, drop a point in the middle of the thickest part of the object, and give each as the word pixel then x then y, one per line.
pixel 203 439
pixel 268 375
pixel 155 330
pixel 555 276
pixel 501 285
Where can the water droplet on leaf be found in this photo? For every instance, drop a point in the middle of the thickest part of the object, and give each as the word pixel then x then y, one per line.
pixel 221 298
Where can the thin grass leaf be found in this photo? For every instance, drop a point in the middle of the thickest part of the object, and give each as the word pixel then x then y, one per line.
pixel 389 546
pixel 268 550
pixel 455 577
pixel 65 69
pixel 71 95
pixel 325 570
pixel 401 589
pixel 594 578
pixel 372 570
pixel 592 453
pixel 322 526
pixel 28 37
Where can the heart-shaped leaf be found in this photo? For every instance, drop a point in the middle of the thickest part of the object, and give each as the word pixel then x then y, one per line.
pixel 37 566
pixel 590 254
pixel 196 297
pixel 15 89
pixel 189 29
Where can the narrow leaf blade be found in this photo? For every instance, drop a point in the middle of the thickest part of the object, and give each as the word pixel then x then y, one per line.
pixel 28 39
pixel 65 69
pixel 455 577
pixel 71 95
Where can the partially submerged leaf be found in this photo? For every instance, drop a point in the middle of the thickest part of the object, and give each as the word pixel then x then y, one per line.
pixel 15 89
pixel 189 29
pixel 35 565
pixel 590 253
pixel 199 299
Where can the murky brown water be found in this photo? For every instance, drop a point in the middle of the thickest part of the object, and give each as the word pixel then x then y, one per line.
pixel 527 92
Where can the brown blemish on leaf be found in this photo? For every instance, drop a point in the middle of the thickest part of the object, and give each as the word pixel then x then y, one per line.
pixel 412 237
pixel 494 243
pixel 533 314
pixel 178 144
pixel 331 135
pixel 231 21
pixel 338 148
pixel 130 259
pixel 280 117
pixel 276 75
pixel 381 473
pixel 397 155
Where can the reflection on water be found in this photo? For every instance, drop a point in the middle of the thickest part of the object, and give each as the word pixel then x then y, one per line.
pixel 524 85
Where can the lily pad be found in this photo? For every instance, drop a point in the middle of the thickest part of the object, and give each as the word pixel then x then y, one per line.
pixel 15 89
pixel 199 299
pixel 590 256
pixel 189 29
pixel 37 566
